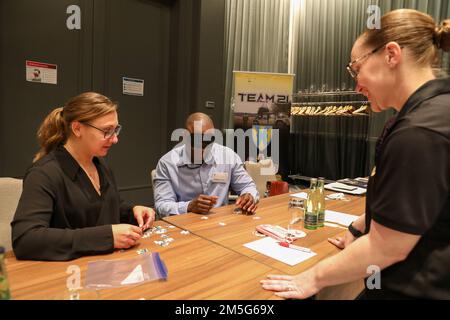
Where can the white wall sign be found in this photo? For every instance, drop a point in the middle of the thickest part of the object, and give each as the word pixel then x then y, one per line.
pixel 41 72
pixel 133 87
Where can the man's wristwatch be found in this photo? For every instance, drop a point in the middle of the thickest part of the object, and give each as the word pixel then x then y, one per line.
pixel 355 232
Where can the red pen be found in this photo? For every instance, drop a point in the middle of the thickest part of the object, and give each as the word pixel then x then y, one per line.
pixel 292 246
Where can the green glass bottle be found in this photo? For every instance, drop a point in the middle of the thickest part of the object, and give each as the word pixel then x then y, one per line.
pixel 321 202
pixel 4 286
pixel 311 214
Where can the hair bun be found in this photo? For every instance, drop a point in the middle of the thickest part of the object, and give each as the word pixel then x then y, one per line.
pixel 442 36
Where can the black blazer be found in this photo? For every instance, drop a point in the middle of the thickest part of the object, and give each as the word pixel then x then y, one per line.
pixel 61 216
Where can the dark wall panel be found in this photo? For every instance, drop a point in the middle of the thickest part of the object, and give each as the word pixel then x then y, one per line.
pixel 176 46
pixel 211 71
pixel 196 71
pixel 133 42
pixel 36 30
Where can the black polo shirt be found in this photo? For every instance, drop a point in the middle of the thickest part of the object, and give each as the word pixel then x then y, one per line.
pixel 61 216
pixel 409 192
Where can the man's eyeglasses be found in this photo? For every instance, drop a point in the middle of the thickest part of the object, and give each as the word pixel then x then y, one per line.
pixel 352 71
pixel 106 133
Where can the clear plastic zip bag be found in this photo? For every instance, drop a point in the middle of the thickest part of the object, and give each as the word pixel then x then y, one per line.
pixel 119 273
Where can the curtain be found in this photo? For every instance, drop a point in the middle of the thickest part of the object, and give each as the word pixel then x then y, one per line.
pixel 324 32
pixel 334 147
pixel 310 38
pixel 256 39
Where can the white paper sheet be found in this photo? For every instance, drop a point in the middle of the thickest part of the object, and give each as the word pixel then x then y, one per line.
pixel 301 195
pixel 339 217
pixel 270 247
pixel 340 187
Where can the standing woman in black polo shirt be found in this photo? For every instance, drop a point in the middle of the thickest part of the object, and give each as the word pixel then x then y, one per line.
pixel 405 232
pixel 70 205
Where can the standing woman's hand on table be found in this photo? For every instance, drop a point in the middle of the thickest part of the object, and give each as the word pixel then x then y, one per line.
pixel 301 286
pixel 356 226
pixel 342 242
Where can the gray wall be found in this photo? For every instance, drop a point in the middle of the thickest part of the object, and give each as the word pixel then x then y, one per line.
pixel 175 46
pixel 197 70
pixel 211 69
pixel 36 30
pixel 132 40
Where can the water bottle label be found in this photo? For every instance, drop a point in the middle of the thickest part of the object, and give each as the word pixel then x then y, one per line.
pixel 311 221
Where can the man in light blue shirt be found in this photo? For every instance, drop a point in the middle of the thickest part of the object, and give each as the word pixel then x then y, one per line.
pixel 197 176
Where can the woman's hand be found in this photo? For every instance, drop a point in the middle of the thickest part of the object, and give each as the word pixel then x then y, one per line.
pixel 126 235
pixel 301 286
pixel 342 242
pixel 145 216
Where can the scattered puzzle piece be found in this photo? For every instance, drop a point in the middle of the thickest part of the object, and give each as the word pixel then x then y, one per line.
pixel 142 251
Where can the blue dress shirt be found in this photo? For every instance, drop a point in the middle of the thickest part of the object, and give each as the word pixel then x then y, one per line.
pixel 177 181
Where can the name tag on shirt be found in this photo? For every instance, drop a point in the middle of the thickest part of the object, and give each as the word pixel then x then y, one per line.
pixel 220 177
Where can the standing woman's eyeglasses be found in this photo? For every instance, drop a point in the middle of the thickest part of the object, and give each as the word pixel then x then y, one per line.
pixel 355 73
pixel 106 133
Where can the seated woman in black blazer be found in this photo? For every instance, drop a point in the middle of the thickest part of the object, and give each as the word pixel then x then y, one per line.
pixel 70 205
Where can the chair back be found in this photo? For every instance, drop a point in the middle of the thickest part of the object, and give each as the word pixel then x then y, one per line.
pixel 10 192
pixel 277 187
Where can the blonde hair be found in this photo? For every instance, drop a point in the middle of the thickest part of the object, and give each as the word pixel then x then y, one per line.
pixel 414 30
pixel 56 127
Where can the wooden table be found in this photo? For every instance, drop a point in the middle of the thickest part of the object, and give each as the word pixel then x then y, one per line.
pixel 208 263
pixel 198 269
pixel 239 230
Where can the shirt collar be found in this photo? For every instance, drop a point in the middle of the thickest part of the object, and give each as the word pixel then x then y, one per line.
pixel 184 156
pixel 429 90
pixel 68 163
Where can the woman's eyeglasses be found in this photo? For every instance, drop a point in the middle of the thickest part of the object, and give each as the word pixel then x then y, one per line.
pixel 352 71
pixel 106 133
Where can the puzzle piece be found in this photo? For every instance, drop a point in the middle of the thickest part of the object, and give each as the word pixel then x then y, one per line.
pixel 142 251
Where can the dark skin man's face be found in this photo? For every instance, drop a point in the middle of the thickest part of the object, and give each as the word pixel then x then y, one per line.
pixel 199 138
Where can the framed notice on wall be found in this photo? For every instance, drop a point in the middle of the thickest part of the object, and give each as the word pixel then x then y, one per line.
pixel 132 86
pixel 41 72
